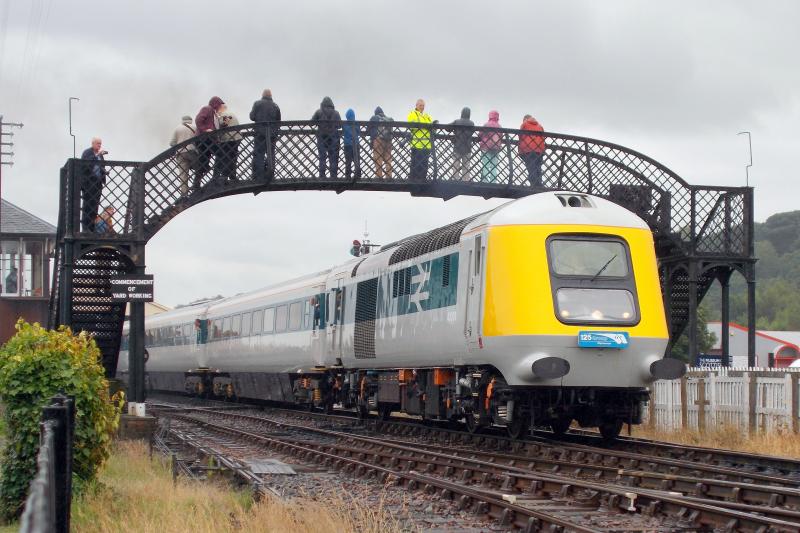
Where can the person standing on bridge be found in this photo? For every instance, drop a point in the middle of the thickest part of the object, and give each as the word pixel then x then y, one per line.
pixel 93 180
pixel 420 142
pixel 462 145
pixel 186 156
pixel 328 133
pixel 491 142
pixel 228 152
pixel 265 110
pixel 207 120
pixel 380 134
pixel 531 150
pixel 350 135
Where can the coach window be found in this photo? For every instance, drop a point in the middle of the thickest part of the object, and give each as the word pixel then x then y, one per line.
pixel 281 317
pixel 187 333
pixel 295 315
pixel 269 320
pixel 226 328
pixel 246 322
pixel 236 325
pixel 216 333
pixel 258 322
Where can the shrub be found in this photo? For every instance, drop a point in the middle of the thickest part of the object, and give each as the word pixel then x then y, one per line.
pixel 36 364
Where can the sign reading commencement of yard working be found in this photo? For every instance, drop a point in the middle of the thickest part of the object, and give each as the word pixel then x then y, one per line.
pixel 132 288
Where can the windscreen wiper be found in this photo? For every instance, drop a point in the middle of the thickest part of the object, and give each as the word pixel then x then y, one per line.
pixel 602 268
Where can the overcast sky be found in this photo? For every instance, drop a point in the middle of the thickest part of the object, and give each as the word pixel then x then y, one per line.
pixel 674 80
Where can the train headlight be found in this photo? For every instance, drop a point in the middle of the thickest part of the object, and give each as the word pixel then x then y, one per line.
pixel 565 313
pixel 626 315
pixel 597 315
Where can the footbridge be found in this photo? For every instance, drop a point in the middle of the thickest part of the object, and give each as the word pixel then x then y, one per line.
pixel 702 233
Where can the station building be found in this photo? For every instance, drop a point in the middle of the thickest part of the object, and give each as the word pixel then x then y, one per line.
pixel 26 250
pixel 773 348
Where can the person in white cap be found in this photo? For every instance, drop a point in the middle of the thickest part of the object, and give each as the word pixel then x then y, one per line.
pixel 187 155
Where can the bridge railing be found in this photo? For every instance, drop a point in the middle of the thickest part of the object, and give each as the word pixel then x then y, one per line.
pixel 47 508
pixel 439 160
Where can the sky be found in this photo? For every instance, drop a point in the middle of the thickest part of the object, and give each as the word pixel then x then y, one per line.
pixel 676 81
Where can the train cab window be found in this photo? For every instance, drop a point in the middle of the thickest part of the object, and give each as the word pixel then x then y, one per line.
pixel 589 258
pixel 246 323
pixel 258 322
pixel 269 320
pixel 216 330
pixel 592 280
pixel 236 325
pixel 281 316
pixel 295 315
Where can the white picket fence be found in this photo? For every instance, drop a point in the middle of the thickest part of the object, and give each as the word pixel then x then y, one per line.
pixel 750 399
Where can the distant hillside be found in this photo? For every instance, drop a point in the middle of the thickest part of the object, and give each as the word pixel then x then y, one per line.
pixel 777 277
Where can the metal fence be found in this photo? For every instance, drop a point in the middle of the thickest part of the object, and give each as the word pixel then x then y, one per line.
pixel 47 509
pixel 754 400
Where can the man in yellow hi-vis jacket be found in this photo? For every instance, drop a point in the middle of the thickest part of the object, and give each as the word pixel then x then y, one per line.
pixel 420 142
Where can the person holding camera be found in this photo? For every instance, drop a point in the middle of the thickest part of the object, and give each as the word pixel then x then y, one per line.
pixel 228 152
pixel 93 179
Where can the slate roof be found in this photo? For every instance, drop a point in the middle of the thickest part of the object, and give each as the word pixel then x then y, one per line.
pixel 18 221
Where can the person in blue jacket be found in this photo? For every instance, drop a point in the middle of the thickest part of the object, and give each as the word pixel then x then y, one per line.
pixel 350 136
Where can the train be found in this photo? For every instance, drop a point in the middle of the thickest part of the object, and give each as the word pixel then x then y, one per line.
pixel 543 311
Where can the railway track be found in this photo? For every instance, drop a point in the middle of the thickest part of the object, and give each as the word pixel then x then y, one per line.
pixel 517 483
pixel 766 464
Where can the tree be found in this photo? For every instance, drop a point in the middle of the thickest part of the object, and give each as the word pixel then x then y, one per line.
pixel 35 365
pixel 705 338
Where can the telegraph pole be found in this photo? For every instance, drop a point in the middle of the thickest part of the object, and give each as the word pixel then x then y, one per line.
pixel 6 156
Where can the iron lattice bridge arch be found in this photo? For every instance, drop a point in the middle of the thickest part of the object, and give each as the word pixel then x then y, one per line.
pixel 702 233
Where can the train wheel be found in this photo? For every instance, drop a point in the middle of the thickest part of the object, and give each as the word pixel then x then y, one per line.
pixel 384 412
pixel 610 429
pixel 472 420
pixel 560 425
pixel 518 428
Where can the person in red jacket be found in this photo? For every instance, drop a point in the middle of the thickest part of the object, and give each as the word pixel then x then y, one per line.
pixel 206 120
pixel 531 150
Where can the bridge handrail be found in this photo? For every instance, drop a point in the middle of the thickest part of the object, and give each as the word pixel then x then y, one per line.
pixel 698 219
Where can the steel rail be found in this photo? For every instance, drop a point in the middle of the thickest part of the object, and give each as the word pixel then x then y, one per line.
pixel 522 517
pixel 706 513
pixel 704 454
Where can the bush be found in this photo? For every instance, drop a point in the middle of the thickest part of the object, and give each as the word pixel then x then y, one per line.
pixel 36 364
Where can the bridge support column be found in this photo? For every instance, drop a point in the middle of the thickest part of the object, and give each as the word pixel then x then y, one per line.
pixel 136 361
pixel 725 340
pixel 751 314
pixel 693 354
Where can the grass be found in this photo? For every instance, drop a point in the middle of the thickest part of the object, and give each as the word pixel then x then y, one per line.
pixel 781 444
pixel 135 494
